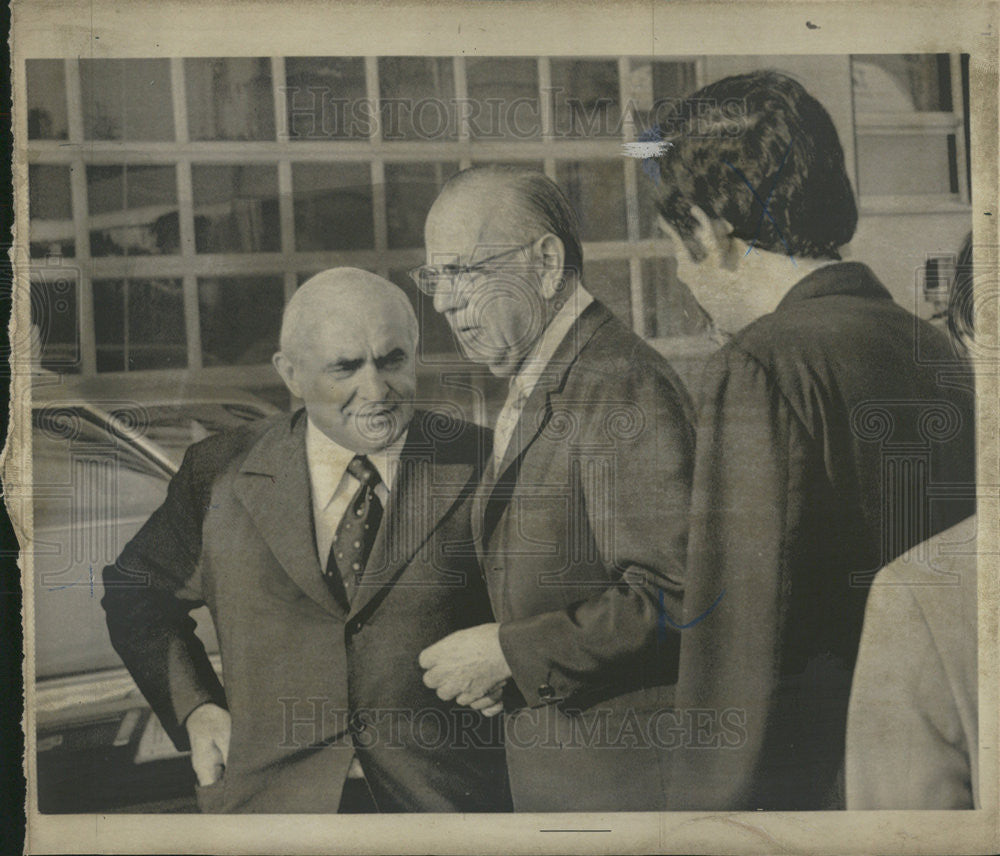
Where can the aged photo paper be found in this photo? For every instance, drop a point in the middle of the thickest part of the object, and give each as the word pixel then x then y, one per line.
pixel 556 427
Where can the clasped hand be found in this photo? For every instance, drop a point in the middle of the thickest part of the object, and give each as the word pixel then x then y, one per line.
pixel 468 666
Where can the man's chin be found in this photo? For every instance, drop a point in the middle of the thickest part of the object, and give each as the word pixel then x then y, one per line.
pixel 378 428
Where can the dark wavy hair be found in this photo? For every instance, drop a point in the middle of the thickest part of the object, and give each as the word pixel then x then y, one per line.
pixel 760 152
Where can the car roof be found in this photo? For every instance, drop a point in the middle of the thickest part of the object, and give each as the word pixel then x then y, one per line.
pixel 51 388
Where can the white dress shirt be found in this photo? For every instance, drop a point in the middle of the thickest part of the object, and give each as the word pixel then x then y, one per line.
pixel 333 487
pixel 533 367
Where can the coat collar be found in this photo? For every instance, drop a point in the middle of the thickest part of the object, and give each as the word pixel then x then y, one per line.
pixel 551 381
pixel 536 411
pixel 273 485
pixel 849 279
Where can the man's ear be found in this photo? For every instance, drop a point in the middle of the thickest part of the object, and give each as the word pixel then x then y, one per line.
pixel 716 237
pixel 694 247
pixel 553 258
pixel 286 368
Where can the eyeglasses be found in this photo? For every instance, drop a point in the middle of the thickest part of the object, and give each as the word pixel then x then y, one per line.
pixel 429 278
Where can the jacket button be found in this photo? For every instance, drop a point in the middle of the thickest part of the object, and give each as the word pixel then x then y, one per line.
pixel 546 692
pixel 355 626
pixel 358 723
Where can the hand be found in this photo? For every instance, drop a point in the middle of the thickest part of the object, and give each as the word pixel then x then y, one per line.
pixel 489 704
pixel 468 666
pixel 209 727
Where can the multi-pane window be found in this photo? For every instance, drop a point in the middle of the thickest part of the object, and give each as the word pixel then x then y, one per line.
pixel 177 203
pixel 912 144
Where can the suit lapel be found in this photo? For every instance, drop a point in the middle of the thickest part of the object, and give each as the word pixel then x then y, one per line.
pixel 273 485
pixel 425 489
pixel 535 414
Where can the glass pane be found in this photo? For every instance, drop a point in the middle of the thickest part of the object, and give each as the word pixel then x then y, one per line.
pixel 596 189
pixel 647 182
pixel 654 87
pixel 229 99
pixel 410 190
pixel 503 98
pixel 55 321
pixel 240 318
pixel 327 98
pixel 901 83
pixel 133 210
pixel 903 164
pixel 139 324
pixel 236 209
pixel 585 96
pixel 46 100
pixel 417 98
pixel 609 281
pixel 333 206
pixel 126 99
pixel 50 211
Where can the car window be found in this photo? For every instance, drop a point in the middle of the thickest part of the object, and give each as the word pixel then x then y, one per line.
pixel 174 427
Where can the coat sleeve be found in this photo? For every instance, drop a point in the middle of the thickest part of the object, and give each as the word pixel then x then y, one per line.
pixel 148 593
pixel 755 470
pixel 905 746
pixel 638 515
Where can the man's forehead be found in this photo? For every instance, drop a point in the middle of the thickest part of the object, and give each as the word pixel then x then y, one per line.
pixel 341 339
pixel 457 223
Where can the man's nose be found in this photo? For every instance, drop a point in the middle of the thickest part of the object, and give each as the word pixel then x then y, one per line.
pixel 445 296
pixel 371 383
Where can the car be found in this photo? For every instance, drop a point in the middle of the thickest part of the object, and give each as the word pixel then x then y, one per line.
pixel 103 452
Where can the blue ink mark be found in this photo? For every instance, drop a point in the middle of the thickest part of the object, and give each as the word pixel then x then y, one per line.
pixel 60 588
pixel 666 619
pixel 764 212
pixel 651 166
pixel 91 580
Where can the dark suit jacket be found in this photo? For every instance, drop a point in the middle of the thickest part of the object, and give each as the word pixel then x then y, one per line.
pixel 308 678
pixel 582 537
pixel 833 435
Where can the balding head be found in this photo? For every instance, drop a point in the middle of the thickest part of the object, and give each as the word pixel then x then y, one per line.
pixel 341 295
pixel 511 236
pixel 348 346
pixel 512 204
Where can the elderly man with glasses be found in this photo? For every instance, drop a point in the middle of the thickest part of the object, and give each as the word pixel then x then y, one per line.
pixel 580 521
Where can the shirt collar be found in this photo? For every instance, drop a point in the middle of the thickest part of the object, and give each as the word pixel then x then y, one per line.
pixel 328 462
pixel 537 361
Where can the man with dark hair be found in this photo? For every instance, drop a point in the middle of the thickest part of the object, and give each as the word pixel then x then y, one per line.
pixel 826 444
pixel 581 519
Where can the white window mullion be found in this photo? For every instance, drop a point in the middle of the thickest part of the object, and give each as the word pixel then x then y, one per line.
pixel 958 109
pixel 546 102
pixel 286 212
pixel 280 95
pixel 81 234
pixel 379 214
pixel 636 291
pixel 462 99
pixel 185 212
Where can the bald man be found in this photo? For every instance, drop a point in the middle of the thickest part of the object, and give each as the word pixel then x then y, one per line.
pixel 581 519
pixel 331 546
